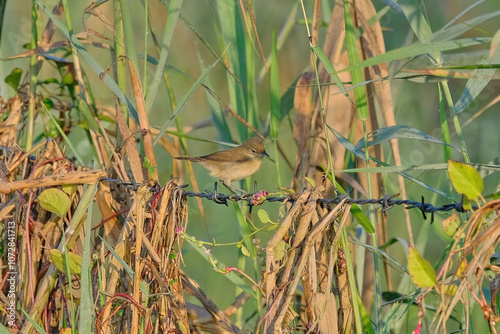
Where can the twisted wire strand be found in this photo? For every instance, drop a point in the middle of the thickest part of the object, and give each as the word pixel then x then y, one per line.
pixel 386 202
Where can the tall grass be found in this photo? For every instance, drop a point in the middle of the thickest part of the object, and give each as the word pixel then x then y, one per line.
pixel 355 98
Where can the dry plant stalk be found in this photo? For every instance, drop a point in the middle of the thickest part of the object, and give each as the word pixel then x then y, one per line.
pixel 339 112
pixel 40 231
pixel 460 278
pixel 312 256
pixel 153 221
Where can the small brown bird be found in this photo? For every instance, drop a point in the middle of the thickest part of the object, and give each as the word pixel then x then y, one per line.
pixel 234 164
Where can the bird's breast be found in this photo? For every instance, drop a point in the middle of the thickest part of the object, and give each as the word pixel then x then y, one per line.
pixel 229 171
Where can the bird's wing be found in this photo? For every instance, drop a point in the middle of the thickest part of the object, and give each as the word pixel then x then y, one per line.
pixel 231 155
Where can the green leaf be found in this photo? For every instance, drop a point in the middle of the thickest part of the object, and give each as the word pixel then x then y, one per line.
pixel 58 260
pixel 449 289
pixel 218 115
pixel 310 181
pixel 347 144
pixel 417 50
pixel 245 251
pixel 84 108
pixel 367 323
pixel 147 164
pixel 69 188
pixel 465 179
pixel 357 213
pixel 274 78
pixel 87 315
pixel 231 32
pixel 421 271
pixel 55 201
pixel 385 168
pixel 263 216
pixel 280 251
pixel 61 132
pixel 467 205
pixel 398 131
pixel 48 103
pixel 3 329
pixel 14 78
pixel 123 248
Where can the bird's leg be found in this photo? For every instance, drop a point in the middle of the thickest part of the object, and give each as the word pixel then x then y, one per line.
pixel 231 187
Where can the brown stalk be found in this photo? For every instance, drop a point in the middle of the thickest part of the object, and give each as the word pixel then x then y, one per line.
pixel 143 119
pixel 308 244
pixel 130 149
pixel 80 177
pixel 482 244
pixel 302 124
pixel 46 283
pixel 272 266
pixel 251 14
pixel 143 195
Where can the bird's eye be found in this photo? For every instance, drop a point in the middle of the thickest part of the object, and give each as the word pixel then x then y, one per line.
pixel 253 151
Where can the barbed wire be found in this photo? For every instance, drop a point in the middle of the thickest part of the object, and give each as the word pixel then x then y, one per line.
pixel 387 202
pixel 256 198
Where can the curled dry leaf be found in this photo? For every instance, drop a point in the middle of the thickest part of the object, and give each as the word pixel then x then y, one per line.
pixel 303 111
pixel 302 121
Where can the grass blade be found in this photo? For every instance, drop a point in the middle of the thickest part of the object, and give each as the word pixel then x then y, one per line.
pixel 184 99
pixel 330 69
pixel 382 135
pixel 66 139
pixel 356 73
pixel 418 23
pixel 474 86
pixel 274 78
pixel 174 10
pixel 233 35
pixel 87 301
pixel 417 50
pixel 33 322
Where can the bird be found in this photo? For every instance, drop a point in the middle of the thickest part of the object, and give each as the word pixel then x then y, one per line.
pixel 233 164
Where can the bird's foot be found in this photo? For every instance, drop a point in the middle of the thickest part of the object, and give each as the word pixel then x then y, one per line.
pixel 231 188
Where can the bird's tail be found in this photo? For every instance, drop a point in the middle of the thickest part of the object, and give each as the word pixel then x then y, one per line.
pixel 188 158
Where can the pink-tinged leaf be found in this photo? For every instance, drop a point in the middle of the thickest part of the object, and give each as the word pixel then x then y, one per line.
pixel 450 225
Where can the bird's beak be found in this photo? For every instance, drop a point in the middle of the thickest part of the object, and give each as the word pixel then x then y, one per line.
pixel 265 153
